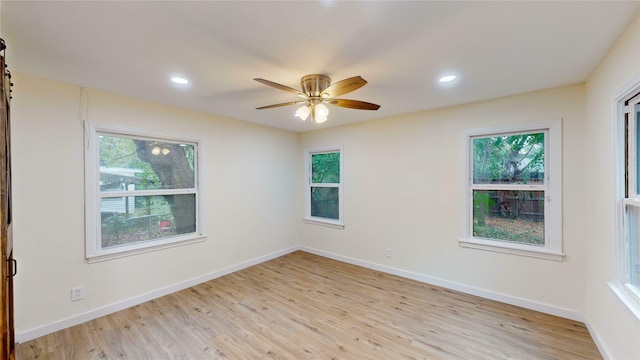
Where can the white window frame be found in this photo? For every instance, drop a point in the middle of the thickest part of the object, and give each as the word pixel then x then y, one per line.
pixel 93 250
pixel 339 223
pixel 552 249
pixel 628 294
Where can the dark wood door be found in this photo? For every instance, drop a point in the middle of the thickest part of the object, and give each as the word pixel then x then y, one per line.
pixel 7 348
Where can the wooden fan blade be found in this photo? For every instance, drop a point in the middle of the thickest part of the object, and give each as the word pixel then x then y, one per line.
pixel 344 86
pixel 354 104
pixel 280 86
pixel 282 104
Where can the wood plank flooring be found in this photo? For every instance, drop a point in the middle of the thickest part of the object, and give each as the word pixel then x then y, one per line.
pixel 303 306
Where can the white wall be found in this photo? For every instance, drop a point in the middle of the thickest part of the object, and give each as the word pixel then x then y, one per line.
pixel 252 198
pixel 403 190
pixel 617 329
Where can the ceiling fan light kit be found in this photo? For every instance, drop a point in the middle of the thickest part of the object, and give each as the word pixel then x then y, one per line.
pixel 317 91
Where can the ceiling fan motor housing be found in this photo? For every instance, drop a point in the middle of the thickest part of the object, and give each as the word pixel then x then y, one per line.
pixel 313 85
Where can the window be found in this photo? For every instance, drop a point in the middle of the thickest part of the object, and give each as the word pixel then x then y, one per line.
pixel 627 284
pixel 513 201
pixel 323 190
pixel 632 194
pixel 141 192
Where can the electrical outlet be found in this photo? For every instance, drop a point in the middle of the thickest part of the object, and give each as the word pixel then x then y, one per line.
pixel 388 252
pixel 77 293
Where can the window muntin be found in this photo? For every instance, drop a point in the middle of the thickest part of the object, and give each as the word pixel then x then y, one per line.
pixel 514 182
pixel 142 191
pixel 323 199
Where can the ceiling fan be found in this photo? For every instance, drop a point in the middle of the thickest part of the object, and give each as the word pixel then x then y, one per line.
pixel 317 90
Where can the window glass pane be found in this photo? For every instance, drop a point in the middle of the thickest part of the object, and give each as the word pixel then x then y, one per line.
pixel 325 168
pixel 325 202
pixel 514 216
pixel 633 238
pixel 134 219
pixel 636 109
pixel 134 164
pixel 509 159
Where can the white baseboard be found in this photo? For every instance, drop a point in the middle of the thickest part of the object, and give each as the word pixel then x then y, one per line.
pixel 596 339
pixel 491 295
pixel 136 300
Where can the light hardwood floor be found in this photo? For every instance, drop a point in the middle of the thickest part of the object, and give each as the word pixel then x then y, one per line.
pixel 303 306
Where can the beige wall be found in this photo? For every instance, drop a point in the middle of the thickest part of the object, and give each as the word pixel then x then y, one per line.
pixel 403 189
pixel 251 194
pixel 617 328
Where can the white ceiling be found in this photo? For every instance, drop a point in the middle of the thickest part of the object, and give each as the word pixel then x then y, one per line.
pixel 400 48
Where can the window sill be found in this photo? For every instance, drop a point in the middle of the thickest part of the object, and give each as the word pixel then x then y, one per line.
pixel 322 222
pixel 515 249
pixel 632 303
pixel 143 248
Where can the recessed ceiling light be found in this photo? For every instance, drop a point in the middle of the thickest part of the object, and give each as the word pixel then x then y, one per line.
pixel 179 80
pixel 447 78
